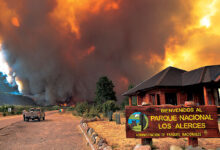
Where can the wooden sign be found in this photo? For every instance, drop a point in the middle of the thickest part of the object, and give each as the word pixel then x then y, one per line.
pixel 158 121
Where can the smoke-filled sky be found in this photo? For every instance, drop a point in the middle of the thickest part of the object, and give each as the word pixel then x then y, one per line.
pixel 59 48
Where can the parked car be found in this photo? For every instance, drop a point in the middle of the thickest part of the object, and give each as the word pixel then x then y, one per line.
pixel 34 113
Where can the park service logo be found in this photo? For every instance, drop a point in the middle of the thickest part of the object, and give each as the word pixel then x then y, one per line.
pixel 138 121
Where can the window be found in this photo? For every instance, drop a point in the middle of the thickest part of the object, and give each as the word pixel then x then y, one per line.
pixel 171 98
pixel 158 99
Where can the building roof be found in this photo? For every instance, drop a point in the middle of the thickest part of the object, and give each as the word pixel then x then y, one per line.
pixel 172 76
pixel 201 75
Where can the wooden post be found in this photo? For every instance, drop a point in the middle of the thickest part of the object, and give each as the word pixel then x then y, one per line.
pixel 206 98
pixel 146 141
pixel 212 97
pixel 193 142
pixel 178 98
pixel 130 100
pixel 162 98
pixel 138 100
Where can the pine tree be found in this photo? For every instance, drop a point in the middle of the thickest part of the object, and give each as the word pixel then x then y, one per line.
pixel 104 90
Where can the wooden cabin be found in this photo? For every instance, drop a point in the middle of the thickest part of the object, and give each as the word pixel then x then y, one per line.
pixel 175 86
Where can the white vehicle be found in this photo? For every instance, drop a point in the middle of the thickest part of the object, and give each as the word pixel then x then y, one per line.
pixel 33 113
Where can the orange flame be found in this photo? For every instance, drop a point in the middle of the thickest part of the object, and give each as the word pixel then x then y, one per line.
pixel 15 22
pixel 88 52
pixel 124 80
pixel 91 50
pixel 71 12
pixel 7 15
pixel 20 84
pixel 196 44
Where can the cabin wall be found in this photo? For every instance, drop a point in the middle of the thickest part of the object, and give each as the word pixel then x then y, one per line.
pixel 162 98
pixel 146 98
pixel 195 94
pixel 182 98
pixel 153 95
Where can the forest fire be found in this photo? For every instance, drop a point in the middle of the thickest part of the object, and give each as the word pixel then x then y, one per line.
pixel 196 42
pixel 63 48
pixel 68 11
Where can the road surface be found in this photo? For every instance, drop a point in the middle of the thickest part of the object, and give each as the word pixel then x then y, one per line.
pixel 57 132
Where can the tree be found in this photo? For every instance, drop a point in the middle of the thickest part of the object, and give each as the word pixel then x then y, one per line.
pixel 104 90
pixel 126 99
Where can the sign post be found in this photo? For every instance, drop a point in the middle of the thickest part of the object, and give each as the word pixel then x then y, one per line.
pixel 160 121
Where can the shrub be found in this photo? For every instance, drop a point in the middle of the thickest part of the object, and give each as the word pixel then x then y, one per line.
pixel 4 114
pixel 4 108
pixel 18 112
pixel 93 112
pixel 81 108
pixel 109 105
pixel 99 107
pixel 70 109
pixel 56 107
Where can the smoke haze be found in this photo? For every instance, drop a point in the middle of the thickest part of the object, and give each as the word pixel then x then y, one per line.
pixel 60 48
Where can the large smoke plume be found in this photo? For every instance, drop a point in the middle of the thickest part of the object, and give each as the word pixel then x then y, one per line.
pixel 58 53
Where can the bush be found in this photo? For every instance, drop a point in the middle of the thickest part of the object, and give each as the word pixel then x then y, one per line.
pixel 4 108
pixel 56 107
pixel 4 114
pixel 70 109
pixel 18 112
pixel 81 108
pixel 16 109
pixel 93 112
pixel 99 107
pixel 108 106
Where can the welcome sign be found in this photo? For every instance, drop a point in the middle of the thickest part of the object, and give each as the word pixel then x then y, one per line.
pixel 157 121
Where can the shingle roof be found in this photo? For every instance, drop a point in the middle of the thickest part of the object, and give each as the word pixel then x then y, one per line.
pixel 172 76
pixel 201 75
pixel 168 77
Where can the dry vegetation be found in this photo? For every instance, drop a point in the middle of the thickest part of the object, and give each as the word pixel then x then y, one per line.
pixel 115 136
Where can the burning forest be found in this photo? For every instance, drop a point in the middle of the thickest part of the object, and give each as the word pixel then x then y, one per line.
pixel 56 49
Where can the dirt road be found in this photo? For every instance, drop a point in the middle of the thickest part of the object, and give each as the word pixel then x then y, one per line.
pixel 57 132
